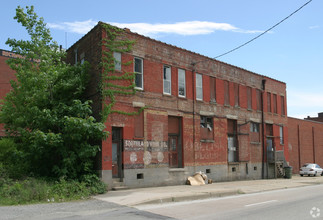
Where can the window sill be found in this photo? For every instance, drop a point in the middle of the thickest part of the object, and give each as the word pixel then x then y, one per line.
pixel 139 89
pixel 207 141
pixel 256 143
pixel 176 170
pixel 167 94
pixel 275 114
pixel 233 163
pixel 249 109
pixel 226 105
pixel 213 102
pixel 182 97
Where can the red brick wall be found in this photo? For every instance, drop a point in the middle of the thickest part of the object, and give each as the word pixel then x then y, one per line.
pixel 155 54
pixel 305 142
pixel 6 74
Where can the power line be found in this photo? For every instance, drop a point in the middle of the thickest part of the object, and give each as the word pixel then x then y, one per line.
pixel 264 31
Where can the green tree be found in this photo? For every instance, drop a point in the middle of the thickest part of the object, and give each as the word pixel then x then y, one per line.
pixel 45 112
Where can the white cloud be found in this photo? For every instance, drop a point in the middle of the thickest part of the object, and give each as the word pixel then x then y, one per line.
pixel 301 104
pixel 314 27
pixel 180 28
pixel 301 99
pixel 79 27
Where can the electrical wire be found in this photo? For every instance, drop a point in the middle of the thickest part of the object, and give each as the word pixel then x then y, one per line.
pixel 264 31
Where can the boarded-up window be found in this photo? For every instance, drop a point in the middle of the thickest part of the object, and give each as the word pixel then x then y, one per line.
pixel 275 103
pixel 232 127
pixel 269 130
pixel 206 131
pixel 282 100
pixel 236 95
pixel 249 97
pixel 258 98
pixel 212 89
pixel 268 102
pixel 139 124
pixel 226 93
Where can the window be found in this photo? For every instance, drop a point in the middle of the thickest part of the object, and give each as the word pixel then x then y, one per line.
pixel 282 100
pixel 254 132
pixel 139 123
pixel 117 61
pixel 167 80
pixel 82 57
pixel 233 151
pixel 236 95
pixel 254 127
pixel 268 102
pixel 249 97
pixel 213 89
pixel 206 128
pixel 199 87
pixel 181 83
pixel 258 96
pixel 281 134
pixel 226 93
pixel 138 66
pixel 275 103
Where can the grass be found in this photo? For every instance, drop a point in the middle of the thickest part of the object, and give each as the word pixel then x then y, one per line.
pixel 32 190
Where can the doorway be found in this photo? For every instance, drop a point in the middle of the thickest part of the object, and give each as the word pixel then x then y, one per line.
pixel 175 142
pixel 117 153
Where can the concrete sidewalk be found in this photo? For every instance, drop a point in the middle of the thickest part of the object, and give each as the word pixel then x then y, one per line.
pixel 155 195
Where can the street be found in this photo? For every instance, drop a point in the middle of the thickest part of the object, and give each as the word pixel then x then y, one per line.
pixel 295 203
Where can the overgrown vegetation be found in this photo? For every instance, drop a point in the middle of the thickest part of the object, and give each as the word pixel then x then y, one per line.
pixel 115 82
pixel 52 135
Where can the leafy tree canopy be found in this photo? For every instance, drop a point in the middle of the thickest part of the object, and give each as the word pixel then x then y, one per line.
pixel 46 112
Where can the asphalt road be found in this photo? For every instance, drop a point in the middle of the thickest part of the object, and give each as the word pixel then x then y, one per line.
pixel 297 203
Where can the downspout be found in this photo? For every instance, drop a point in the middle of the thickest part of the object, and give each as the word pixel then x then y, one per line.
pixel 193 89
pixel 313 144
pixel 263 130
pixel 299 147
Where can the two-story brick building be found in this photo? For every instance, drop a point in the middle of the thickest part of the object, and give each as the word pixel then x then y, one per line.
pixel 200 115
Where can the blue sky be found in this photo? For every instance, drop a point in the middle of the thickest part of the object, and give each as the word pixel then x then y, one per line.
pixel 292 52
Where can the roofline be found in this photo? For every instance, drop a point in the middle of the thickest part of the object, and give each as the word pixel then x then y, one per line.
pixel 170 45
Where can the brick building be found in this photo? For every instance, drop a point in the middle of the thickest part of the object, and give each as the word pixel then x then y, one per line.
pixel 200 115
pixel 305 142
pixel 318 118
pixel 6 74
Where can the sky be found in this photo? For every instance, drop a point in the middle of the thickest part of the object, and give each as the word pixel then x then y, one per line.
pixel 292 52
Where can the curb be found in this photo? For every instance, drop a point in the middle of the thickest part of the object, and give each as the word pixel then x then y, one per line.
pixel 198 196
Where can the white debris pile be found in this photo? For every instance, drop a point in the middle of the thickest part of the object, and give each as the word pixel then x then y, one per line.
pixel 197 179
